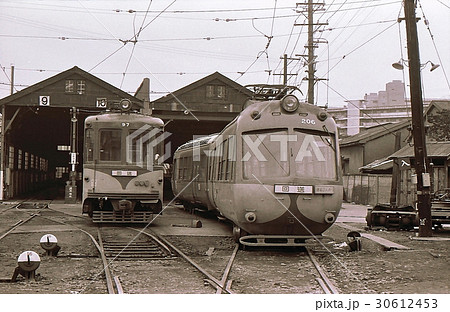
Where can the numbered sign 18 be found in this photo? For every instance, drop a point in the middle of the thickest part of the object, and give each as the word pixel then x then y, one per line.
pixel 44 100
pixel 101 102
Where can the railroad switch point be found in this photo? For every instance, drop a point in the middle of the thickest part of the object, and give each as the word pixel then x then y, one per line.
pixel 28 262
pixel 50 244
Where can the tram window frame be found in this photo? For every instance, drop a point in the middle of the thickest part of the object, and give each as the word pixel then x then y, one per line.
pixel 175 169
pixel 180 168
pixel 110 145
pixel 89 145
pixel 333 143
pixel 188 168
pixel 253 165
pixel 231 158
pixel 220 161
pixel 140 143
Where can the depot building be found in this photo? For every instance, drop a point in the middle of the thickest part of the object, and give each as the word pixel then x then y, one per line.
pixel 42 126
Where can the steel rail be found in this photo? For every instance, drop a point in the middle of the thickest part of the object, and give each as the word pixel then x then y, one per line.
pixel 118 285
pixel 109 279
pixel 10 208
pixel 17 224
pixel 17 204
pixel 99 247
pixel 227 270
pixel 331 288
pixel 167 249
pixel 194 264
pixel 323 285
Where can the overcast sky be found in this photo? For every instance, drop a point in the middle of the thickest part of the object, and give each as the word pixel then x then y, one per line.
pixel 176 42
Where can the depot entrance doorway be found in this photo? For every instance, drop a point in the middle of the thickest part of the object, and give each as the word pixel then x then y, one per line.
pixel 42 134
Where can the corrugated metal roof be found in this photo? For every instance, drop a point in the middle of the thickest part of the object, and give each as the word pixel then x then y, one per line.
pixel 378 165
pixel 434 149
pixel 373 133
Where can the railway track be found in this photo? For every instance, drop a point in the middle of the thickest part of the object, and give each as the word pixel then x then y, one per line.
pixel 279 271
pixel 22 205
pixel 131 258
pixel 263 261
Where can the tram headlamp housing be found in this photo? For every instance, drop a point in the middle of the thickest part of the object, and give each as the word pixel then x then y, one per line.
pixel 255 115
pixel 250 217
pixel 125 105
pixel 322 116
pixel 329 218
pixel 290 103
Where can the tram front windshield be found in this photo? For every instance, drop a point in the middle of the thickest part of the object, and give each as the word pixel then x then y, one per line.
pixel 281 153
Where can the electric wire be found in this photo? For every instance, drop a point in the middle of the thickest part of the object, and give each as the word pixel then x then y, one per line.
pixel 402 58
pixel 263 52
pixel 434 43
pixel 135 39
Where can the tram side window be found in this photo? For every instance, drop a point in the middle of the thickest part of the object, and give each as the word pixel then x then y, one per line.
pixel 223 150
pixel 175 169
pixel 187 169
pixel 110 145
pixel 180 168
pixel 89 145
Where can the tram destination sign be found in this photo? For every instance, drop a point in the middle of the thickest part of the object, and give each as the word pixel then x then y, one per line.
pixel 124 173
pixel 293 189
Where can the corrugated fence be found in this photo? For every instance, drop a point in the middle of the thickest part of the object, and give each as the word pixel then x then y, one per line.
pixel 367 189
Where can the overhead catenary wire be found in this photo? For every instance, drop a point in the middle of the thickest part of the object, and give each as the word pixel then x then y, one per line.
pixel 434 43
pixel 263 52
pixel 135 39
pixel 293 66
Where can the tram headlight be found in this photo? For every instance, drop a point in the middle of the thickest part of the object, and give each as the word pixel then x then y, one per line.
pixel 255 115
pixel 125 105
pixel 322 116
pixel 250 217
pixel 289 103
pixel 330 218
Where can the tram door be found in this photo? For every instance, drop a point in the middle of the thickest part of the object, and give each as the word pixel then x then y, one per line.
pixel 196 182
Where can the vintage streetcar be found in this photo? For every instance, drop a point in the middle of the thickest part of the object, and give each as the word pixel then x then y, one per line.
pixel 274 171
pixel 122 176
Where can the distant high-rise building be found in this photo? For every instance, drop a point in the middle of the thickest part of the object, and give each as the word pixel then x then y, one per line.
pixel 387 106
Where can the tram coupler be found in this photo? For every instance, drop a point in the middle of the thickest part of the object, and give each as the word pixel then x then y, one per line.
pixel 354 241
pixel 28 262
pixel 50 244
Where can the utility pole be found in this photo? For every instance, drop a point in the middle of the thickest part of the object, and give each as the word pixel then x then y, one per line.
pixel 285 74
pixel 311 58
pixel 12 79
pixel 418 129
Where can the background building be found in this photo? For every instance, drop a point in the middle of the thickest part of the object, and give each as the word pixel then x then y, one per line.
pixel 387 106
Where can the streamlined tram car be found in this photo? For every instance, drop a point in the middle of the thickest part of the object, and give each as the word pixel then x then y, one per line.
pixel 274 172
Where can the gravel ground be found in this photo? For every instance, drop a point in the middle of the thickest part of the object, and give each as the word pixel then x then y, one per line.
pixel 77 269
pixel 424 269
